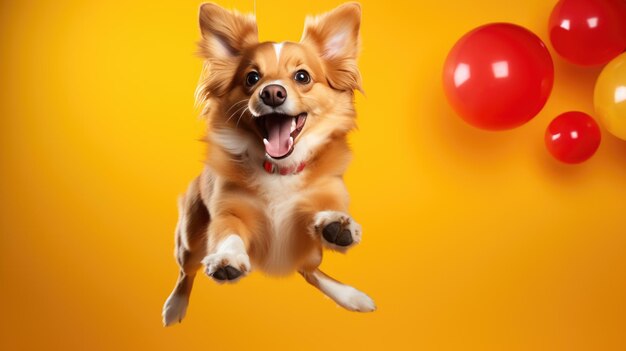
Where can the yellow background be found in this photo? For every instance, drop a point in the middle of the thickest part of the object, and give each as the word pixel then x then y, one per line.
pixel 472 239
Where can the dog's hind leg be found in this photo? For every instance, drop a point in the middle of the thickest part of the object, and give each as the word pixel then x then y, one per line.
pixel 344 295
pixel 191 233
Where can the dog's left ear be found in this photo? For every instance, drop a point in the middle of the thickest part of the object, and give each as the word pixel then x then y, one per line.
pixel 225 34
pixel 335 37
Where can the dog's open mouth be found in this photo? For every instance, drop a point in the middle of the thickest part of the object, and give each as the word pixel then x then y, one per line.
pixel 279 132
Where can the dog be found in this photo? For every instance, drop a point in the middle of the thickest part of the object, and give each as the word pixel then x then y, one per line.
pixel 271 195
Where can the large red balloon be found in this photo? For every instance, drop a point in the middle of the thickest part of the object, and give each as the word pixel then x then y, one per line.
pixel 573 137
pixel 588 32
pixel 498 76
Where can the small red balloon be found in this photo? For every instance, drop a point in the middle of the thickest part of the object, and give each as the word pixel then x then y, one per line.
pixel 573 137
pixel 588 32
pixel 498 76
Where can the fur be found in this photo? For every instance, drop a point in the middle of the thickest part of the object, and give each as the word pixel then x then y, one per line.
pixel 237 215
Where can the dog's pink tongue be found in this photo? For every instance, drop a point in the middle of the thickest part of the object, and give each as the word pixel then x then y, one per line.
pixel 278 135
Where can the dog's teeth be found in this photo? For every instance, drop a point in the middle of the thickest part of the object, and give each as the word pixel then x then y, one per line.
pixel 293 125
pixel 265 141
pixel 290 142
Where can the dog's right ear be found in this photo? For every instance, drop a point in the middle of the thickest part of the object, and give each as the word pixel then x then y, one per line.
pixel 225 34
pixel 335 36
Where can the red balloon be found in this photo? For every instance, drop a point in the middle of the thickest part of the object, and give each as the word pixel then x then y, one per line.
pixel 573 137
pixel 498 76
pixel 588 32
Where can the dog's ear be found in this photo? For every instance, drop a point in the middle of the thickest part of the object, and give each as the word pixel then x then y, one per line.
pixel 225 34
pixel 335 36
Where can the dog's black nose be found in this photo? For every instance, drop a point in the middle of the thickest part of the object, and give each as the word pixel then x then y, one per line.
pixel 273 95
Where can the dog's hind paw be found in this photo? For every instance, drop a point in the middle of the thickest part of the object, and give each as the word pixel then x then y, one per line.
pixel 174 309
pixel 355 300
pixel 337 229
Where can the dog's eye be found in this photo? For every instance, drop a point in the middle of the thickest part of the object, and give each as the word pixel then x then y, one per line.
pixel 302 77
pixel 252 78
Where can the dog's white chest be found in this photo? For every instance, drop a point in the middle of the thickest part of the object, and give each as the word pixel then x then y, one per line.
pixel 281 193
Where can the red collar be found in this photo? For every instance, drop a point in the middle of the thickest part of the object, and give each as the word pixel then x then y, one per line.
pixel 272 168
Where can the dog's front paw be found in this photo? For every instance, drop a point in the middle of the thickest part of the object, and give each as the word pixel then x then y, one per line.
pixel 227 267
pixel 338 230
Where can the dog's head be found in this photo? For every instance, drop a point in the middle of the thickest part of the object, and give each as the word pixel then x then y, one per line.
pixel 284 99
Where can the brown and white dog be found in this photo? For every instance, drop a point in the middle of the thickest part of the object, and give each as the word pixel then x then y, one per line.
pixel 271 195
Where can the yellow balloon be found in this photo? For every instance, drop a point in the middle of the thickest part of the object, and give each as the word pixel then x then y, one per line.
pixel 609 97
